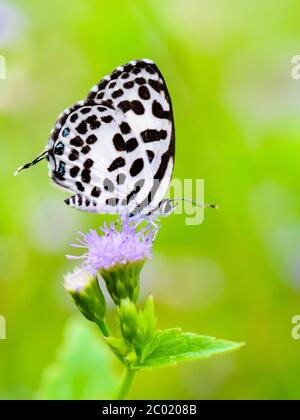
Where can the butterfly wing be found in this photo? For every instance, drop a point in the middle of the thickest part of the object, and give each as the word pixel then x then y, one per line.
pixel 115 150
pixel 138 91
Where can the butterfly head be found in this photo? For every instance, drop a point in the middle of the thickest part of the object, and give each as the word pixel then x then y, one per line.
pixel 56 157
pixel 59 154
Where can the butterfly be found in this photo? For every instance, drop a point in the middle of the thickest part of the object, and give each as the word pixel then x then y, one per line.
pixel 115 149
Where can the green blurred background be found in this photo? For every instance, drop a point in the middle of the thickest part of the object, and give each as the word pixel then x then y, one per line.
pixel 237 276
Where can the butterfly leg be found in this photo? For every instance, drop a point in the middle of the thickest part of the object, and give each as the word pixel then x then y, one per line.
pixel 80 202
pixel 152 224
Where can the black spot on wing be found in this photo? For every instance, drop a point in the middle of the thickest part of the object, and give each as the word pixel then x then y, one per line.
pixel 94 125
pixel 86 175
pixel 77 141
pixel 156 85
pixel 128 67
pixel 93 122
pixel 131 145
pixel 102 85
pixel 74 117
pixel 125 128
pixel 100 95
pixel 150 68
pixel 150 155
pixel 124 106
pixel 107 119
pixel 74 171
pixel 88 163
pixel 82 127
pixel 136 70
pixel 128 85
pixel 140 80
pixel 80 186
pixel 144 92
pixel 91 139
pixel 149 135
pixel 137 107
pixel 85 110
pixel 121 145
pixel 108 103
pixel 116 164
pixel 96 192
pixel 74 155
pixel 159 112
pixel 136 167
pixel 119 142
pixel 85 149
pixel 117 93
pixel 115 74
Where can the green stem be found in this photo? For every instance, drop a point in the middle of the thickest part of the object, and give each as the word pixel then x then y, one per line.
pixel 125 384
pixel 104 328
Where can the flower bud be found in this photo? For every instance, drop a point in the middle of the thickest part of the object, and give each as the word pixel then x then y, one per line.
pixel 129 322
pixel 87 295
pixel 118 346
pixel 148 320
pixel 123 281
pixel 137 327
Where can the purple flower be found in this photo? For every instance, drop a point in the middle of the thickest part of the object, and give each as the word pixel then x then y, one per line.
pixel 118 255
pixel 117 246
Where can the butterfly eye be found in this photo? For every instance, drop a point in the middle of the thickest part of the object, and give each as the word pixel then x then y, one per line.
pixel 61 168
pixel 59 148
pixel 66 132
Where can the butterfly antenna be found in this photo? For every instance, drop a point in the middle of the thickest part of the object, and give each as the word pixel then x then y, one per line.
pixel 196 203
pixel 34 162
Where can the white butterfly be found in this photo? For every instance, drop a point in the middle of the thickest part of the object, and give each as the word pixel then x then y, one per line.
pixel 115 149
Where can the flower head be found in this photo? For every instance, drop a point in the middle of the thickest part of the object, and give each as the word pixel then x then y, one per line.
pixel 118 255
pixel 117 246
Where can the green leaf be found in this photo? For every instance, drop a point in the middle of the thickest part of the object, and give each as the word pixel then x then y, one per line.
pixel 173 346
pixel 83 367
